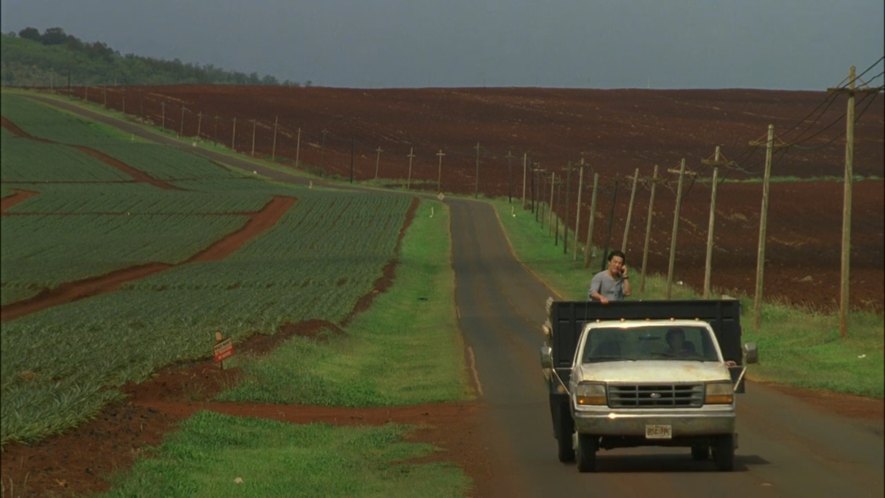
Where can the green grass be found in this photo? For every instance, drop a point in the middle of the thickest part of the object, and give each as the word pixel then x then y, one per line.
pixel 797 347
pixel 403 350
pixel 216 455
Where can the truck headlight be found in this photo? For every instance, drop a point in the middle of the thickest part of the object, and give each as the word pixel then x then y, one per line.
pixel 719 393
pixel 590 393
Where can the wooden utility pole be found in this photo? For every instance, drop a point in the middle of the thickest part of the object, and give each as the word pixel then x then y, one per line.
pixel 411 156
pixel 651 212
pixel 273 147
pixel 298 149
pixel 550 211
pixel 852 90
pixel 233 136
pixel 199 124
pixel 718 160
pixel 763 216
pixel 181 124
pixel 568 190
pixel 629 210
pixel 509 157
pixel 440 155
pixel 558 184
pixel 578 207
pixel 588 248
pixel 163 114
pixel 708 262
pixel 525 162
pixel 672 263
pixel 378 152
pixel 611 219
pixel 536 201
pixel 254 123
pixel 476 189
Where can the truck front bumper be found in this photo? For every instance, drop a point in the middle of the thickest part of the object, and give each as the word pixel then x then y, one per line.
pixel 704 421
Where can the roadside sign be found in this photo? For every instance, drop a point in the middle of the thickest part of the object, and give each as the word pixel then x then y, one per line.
pixel 223 350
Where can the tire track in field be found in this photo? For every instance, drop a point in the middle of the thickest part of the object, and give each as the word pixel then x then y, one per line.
pixel 258 223
pixel 136 174
pixel 18 196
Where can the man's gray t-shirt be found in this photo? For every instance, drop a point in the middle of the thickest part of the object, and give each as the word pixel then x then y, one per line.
pixel 608 286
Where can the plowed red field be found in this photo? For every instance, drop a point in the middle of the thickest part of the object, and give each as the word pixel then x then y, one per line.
pixel 340 131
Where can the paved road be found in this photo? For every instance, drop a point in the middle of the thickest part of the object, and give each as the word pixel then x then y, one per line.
pixel 787 447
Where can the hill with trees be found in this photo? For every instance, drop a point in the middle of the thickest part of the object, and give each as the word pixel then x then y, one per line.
pixel 57 59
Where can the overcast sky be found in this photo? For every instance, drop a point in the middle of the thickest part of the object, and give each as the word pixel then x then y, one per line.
pixel 770 44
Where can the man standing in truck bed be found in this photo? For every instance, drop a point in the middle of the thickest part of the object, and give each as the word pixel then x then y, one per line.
pixel 612 284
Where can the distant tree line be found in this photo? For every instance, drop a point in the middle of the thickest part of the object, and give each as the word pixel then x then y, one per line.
pixel 57 59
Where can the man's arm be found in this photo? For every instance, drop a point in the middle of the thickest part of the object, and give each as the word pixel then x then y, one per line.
pixel 595 287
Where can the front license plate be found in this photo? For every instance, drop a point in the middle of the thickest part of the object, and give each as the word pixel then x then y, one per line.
pixel 658 431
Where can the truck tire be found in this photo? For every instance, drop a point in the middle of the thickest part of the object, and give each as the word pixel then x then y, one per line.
pixel 586 453
pixel 564 438
pixel 700 452
pixel 723 453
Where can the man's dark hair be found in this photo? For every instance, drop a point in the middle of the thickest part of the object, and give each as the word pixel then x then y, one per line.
pixel 617 253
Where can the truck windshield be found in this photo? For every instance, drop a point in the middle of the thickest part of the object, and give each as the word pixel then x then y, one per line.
pixel 649 343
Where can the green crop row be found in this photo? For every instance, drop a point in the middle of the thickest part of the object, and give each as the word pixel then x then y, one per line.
pixel 46 122
pixel 138 198
pixel 166 163
pixel 316 263
pixel 26 160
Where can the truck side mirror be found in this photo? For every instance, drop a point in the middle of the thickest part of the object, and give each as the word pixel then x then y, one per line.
pixel 750 353
pixel 546 357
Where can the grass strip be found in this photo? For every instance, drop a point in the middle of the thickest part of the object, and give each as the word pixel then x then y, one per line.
pixel 405 349
pixel 216 455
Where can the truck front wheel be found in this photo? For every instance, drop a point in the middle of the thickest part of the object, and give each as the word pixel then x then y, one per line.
pixel 723 452
pixel 586 452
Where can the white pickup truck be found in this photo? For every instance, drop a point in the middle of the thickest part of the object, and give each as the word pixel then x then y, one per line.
pixel 644 373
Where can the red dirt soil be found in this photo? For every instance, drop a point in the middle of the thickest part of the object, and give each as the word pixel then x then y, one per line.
pixel 802 257
pixel 616 132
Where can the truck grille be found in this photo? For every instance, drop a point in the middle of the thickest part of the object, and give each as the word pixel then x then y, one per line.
pixel 651 396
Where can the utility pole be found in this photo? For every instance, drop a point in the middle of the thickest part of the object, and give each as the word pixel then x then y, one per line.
pixel 162 114
pixel 763 217
pixel 298 149
pixel 718 160
pixel 440 155
pixel 411 156
pixel 550 212
pixel 378 152
pixel 672 263
pixel 199 123
pixel 852 90
pixel 254 123
pixel 568 188
pixel 181 124
pixel 525 159
pixel 352 150
pixel 629 210
pixel 273 147
pixel 611 217
pixel 588 247
pixel 578 207
pixel 536 201
pixel 476 189
pixel 509 157
pixel 651 212
pixel 233 136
